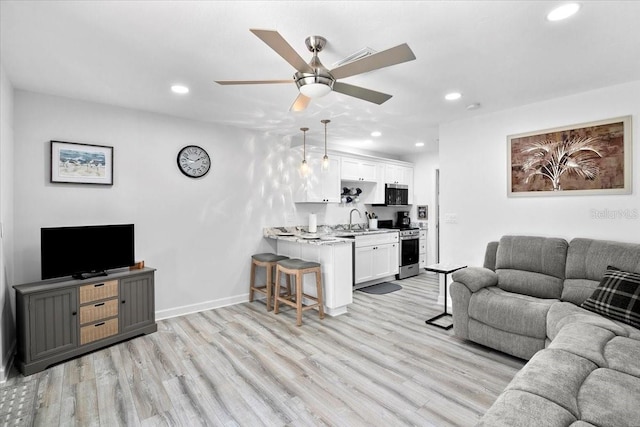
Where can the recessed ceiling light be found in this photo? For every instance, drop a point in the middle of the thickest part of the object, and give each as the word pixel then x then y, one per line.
pixel 419 144
pixel 453 96
pixel 376 133
pixel 563 12
pixel 179 89
pixel 473 106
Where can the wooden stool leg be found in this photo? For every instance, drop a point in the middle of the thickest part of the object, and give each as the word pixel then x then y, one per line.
pixel 289 285
pixel 253 281
pixel 269 286
pixel 319 291
pixel 277 291
pixel 299 287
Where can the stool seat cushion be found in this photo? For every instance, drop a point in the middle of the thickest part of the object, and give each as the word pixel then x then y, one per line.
pixel 297 264
pixel 268 257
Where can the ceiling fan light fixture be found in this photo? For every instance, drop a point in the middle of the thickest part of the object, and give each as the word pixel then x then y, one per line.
pixel 315 90
pixel 313 85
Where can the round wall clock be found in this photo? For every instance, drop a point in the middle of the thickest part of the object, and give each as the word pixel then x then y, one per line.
pixel 193 161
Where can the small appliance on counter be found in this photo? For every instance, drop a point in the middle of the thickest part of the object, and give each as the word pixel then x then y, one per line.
pixel 403 220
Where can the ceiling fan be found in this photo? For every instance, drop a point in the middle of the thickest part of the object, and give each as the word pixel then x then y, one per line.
pixel 315 80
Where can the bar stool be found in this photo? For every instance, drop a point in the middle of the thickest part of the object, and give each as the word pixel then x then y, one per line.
pixel 267 260
pixel 298 268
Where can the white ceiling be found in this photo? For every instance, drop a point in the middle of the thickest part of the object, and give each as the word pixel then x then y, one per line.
pixel 498 53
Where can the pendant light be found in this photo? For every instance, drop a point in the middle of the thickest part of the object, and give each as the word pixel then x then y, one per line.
pixel 304 167
pixel 325 159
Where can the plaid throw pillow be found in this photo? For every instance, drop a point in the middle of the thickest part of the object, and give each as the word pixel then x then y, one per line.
pixel 617 296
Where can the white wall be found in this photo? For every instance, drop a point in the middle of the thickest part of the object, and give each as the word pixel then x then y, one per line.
pixel 473 168
pixel 7 300
pixel 198 233
pixel 424 185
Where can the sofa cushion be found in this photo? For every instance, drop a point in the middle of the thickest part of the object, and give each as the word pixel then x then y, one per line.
pixel 555 375
pixel 531 265
pixel 475 278
pixel 587 260
pixel 563 313
pixel 609 398
pixel 520 314
pixel 517 345
pixel 516 408
pixel 617 297
pixel 584 340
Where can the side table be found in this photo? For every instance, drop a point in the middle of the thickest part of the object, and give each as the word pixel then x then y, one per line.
pixel 445 269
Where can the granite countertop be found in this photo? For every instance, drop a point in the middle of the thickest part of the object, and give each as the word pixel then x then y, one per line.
pixel 326 235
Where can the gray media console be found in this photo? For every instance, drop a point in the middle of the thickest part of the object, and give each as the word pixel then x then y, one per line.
pixel 59 320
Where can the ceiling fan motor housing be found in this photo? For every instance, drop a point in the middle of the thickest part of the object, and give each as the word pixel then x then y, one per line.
pixel 320 82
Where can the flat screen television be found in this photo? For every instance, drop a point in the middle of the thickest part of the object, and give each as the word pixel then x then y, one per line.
pixel 85 251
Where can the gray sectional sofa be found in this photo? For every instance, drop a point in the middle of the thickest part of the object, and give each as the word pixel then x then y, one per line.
pixel 557 304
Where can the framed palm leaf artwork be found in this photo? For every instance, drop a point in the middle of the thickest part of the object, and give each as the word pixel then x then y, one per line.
pixel 588 158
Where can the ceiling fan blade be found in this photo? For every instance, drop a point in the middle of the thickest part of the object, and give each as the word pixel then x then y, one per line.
pixel 251 82
pixel 395 55
pixel 276 42
pixel 300 103
pixel 360 92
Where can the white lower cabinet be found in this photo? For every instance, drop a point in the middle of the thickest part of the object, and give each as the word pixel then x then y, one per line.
pixel 375 257
pixel 336 266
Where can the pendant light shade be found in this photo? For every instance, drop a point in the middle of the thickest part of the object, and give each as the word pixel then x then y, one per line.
pixel 325 159
pixel 304 167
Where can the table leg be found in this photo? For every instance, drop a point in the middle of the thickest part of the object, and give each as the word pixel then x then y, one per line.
pixel 433 319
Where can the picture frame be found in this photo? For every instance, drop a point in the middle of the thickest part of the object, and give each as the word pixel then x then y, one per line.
pixel 77 163
pixel 593 158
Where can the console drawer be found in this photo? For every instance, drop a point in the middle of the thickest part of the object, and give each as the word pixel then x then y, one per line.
pixel 100 310
pixel 98 331
pixel 98 291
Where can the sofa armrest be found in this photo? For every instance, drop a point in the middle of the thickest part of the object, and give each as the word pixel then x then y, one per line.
pixel 475 278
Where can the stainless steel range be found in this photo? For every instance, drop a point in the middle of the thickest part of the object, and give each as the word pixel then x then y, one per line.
pixel 409 253
pixel 409 246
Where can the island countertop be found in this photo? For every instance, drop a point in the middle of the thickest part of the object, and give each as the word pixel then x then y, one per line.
pixel 326 237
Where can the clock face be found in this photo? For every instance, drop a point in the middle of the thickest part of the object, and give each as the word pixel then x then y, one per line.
pixel 193 161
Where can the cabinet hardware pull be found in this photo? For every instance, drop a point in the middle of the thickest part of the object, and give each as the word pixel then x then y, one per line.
pixel 99 304
pixel 74 313
pixel 98 324
pixel 98 285
pixel 124 301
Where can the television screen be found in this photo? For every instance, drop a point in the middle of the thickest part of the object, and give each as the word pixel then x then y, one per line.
pixel 85 251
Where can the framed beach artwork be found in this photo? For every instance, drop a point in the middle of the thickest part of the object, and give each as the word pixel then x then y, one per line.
pixel 81 163
pixel 583 159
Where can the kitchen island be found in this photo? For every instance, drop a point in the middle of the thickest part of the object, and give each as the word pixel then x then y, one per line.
pixel 336 251
pixel 334 255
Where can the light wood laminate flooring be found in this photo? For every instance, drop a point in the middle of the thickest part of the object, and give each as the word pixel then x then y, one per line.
pixel 378 365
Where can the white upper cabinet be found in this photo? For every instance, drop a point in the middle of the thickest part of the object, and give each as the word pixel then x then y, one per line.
pixel 353 169
pixel 319 185
pixel 398 174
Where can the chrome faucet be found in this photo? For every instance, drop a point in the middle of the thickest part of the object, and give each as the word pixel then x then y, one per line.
pixel 351 216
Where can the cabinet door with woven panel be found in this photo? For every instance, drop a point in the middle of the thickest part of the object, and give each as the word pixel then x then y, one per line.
pixel 53 324
pixel 137 306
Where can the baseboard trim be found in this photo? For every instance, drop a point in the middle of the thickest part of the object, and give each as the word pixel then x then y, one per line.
pixel 202 306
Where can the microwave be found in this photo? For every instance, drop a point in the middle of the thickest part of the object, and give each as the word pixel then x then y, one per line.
pixel 396 194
